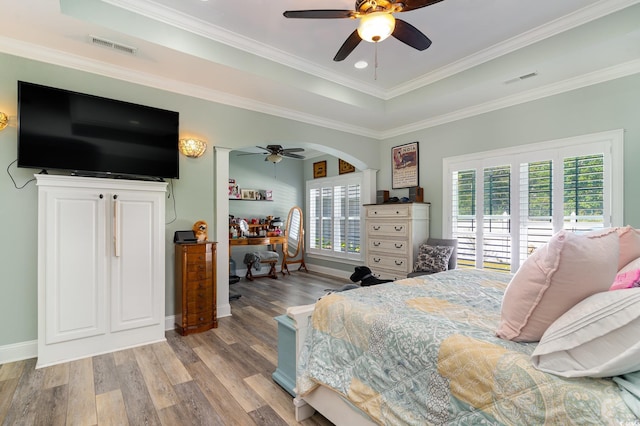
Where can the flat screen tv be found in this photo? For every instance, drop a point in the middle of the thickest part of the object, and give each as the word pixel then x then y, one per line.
pixel 95 136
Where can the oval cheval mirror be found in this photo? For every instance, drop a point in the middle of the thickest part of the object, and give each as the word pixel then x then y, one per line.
pixel 293 252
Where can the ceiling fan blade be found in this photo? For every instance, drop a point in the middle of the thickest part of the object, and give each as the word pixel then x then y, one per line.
pixel 410 35
pixel 347 47
pixel 291 155
pixel 289 150
pixel 319 14
pixel 417 4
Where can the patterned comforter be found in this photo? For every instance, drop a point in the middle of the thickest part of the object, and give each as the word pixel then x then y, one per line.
pixel 423 351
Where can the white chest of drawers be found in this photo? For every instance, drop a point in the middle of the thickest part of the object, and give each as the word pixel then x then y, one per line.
pixel 394 233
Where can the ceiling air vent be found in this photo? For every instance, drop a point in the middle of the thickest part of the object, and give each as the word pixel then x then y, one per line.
pixel 103 42
pixel 522 77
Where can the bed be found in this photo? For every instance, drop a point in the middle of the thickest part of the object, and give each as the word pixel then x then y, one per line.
pixel 424 350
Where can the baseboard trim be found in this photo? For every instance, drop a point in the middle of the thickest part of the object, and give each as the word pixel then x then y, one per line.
pixel 18 351
pixel 25 350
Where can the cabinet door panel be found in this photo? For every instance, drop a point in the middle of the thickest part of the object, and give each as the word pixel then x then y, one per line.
pixel 75 283
pixel 134 288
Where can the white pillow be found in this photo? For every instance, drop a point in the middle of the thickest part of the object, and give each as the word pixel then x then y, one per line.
pixel 634 264
pixel 599 337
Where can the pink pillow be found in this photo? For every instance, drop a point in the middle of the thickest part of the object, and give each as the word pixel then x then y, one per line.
pixel 629 245
pixel 553 279
pixel 626 280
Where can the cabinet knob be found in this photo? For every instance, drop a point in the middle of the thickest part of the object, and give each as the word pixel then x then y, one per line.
pixel 115 196
pixel 101 196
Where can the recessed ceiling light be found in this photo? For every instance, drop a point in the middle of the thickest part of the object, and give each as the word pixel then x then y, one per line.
pixel 361 64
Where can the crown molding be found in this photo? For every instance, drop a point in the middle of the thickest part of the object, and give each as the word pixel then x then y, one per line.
pixel 55 57
pixel 174 18
pixel 595 77
pixel 153 10
pixel 550 29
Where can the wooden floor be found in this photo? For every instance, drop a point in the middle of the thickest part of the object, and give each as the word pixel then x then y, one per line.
pixel 220 377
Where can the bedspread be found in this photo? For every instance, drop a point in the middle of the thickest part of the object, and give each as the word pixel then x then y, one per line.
pixel 423 351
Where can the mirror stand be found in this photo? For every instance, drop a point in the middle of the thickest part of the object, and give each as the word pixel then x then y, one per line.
pixel 293 247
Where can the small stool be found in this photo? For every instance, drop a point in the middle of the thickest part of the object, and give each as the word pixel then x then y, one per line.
pixel 269 257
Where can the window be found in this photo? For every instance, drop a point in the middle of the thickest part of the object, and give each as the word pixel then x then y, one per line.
pixel 505 204
pixel 334 217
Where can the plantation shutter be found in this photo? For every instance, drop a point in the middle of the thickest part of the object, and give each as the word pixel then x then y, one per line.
pixel 335 208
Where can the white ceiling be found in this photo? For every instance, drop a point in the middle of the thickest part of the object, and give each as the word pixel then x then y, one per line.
pixel 246 54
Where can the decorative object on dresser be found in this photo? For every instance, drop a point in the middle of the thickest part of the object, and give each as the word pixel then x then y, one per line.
pixel 394 233
pixel 200 231
pixel 195 287
pixel 404 166
pixel 101 273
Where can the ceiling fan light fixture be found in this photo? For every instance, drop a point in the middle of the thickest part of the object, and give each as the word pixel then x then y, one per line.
pixel 274 158
pixel 377 26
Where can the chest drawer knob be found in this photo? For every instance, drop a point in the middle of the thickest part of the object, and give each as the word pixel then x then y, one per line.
pixel 376 243
pixel 376 259
pixel 376 228
pixel 398 228
pixel 399 246
pixel 399 262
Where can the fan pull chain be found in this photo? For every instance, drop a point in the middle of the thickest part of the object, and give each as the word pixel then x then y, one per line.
pixel 375 62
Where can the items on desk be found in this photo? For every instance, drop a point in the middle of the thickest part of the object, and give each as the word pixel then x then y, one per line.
pixel 255 227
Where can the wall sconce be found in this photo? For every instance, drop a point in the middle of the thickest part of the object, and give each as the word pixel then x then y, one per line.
pixel 4 120
pixel 193 148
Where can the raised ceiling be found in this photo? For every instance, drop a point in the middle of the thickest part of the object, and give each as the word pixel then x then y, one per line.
pixel 246 54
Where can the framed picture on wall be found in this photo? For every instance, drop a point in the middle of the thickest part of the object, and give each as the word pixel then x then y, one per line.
pixel 344 167
pixel 404 166
pixel 248 194
pixel 320 169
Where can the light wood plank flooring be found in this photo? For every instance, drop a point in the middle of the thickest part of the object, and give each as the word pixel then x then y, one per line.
pixel 220 377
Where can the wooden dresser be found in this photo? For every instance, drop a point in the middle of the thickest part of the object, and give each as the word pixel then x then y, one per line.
pixel 394 233
pixel 195 287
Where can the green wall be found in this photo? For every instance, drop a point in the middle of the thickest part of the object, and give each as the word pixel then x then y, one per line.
pixel 285 179
pixel 190 198
pixel 601 107
pixel 605 106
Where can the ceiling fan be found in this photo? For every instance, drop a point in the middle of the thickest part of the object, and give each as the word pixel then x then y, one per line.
pixel 376 23
pixel 277 153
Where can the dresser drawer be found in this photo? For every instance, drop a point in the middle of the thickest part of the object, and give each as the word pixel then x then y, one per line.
pixel 198 258
pixel 199 275
pixel 385 274
pixel 394 263
pixel 379 229
pixel 196 320
pixel 393 247
pixel 389 212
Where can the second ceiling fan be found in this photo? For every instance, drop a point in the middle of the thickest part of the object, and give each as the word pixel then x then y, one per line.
pixel 376 23
pixel 277 153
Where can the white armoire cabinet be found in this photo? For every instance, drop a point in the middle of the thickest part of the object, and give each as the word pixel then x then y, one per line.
pixel 101 275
